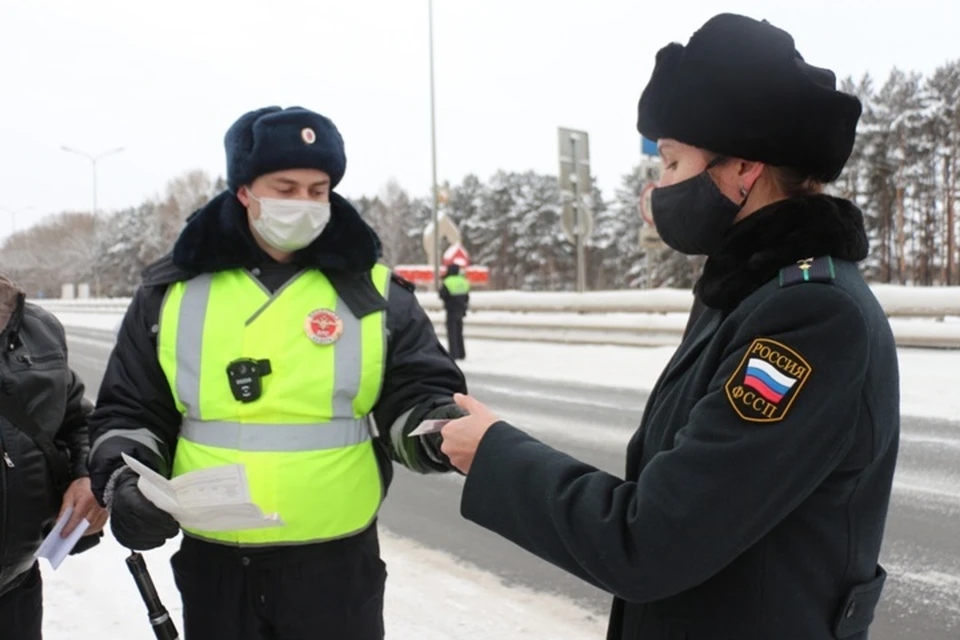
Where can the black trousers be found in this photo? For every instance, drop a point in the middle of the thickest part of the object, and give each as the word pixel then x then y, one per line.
pixel 21 609
pixel 455 336
pixel 329 591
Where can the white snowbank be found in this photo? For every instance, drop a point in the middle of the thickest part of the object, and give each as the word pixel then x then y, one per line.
pixel 89 320
pixel 896 300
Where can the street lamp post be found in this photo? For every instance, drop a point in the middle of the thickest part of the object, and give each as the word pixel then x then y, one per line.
pixel 13 217
pixel 93 163
pixel 433 145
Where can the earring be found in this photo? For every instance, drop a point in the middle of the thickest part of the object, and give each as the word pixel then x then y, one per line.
pixel 743 191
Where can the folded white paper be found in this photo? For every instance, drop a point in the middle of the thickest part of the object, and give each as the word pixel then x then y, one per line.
pixel 428 426
pixel 56 548
pixel 215 499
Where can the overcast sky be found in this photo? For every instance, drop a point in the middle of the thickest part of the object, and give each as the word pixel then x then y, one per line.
pixel 166 79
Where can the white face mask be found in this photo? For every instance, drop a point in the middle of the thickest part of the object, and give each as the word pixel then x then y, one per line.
pixel 290 225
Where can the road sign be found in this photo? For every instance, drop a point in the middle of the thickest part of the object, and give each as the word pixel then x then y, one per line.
pixel 575 184
pixel 456 254
pixel 569 220
pixel 646 207
pixel 650 239
pixel 651 169
pixel 574 161
pixel 648 147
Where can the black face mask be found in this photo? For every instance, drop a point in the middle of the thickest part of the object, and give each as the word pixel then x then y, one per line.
pixel 692 216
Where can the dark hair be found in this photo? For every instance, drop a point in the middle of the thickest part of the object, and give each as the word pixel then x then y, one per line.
pixel 794 183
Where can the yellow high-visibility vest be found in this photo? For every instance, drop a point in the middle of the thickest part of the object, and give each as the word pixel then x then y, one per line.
pixel 306 442
pixel 457 285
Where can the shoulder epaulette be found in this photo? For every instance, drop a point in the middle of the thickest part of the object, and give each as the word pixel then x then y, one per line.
pixel 164 271
pixel 403 282
pixel 357 291
pixel 809 270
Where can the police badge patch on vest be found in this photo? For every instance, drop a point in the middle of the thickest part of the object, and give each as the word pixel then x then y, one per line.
pixel 323 326
pixel 766 383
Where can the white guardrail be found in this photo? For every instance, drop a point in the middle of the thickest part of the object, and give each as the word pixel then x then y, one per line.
pixel 920 316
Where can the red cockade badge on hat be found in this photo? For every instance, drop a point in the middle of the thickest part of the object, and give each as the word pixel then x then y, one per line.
pixel 309 135
pixel 323 326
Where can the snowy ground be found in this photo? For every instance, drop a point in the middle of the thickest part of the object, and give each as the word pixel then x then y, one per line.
pixel 92 595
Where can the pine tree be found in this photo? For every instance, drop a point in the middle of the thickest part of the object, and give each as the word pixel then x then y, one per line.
pixel 492 232
pixel 943 91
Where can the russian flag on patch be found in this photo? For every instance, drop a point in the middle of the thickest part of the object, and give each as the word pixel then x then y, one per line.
pixel 767 381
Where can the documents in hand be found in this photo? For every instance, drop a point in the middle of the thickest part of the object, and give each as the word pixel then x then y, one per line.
pixel 428 426
pixel 215 499
pixel 55 548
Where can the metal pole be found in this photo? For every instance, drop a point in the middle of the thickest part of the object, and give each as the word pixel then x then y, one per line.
pixel 433 144
pixel 93 162
pixel 96 270
pixel 577 227
pixel 581 259
pixel 13 217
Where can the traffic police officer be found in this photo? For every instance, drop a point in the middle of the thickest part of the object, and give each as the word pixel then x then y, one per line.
pixel 455 294
pixel 756 489
pixel 272 337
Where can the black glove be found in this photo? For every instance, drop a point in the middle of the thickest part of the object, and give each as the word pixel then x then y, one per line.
pixel 136 522
pixel 86 543
pixel 433 441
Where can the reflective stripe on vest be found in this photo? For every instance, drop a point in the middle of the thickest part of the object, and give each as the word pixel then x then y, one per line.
pixel 457 285
pixel 306 442
pixel 336 434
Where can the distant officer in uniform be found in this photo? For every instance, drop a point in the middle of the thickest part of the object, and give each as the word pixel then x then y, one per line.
pixel 756 489
pixel 455 293
pixel 272 337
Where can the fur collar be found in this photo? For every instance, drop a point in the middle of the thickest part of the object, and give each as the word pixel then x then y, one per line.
pixel 217 237
pixel 776 236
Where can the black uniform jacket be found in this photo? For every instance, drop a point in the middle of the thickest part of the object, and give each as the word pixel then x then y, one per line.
pixel 34 374
pixel 756 489
pixel 136 413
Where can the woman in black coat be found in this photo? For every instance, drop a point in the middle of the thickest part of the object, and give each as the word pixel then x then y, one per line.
pixel 756 489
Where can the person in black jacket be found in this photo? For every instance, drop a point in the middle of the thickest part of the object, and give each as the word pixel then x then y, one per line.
pixel 756 489
pixel 37 389
pixel 288 268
